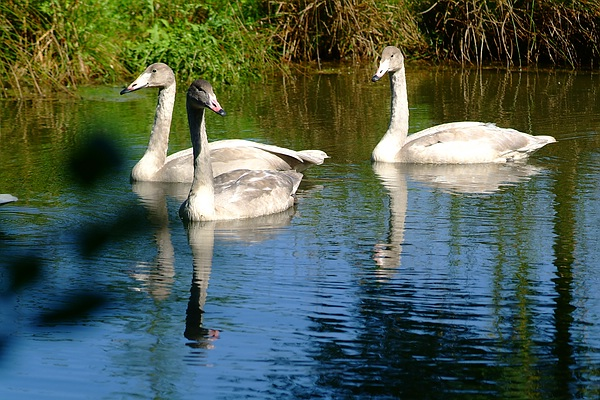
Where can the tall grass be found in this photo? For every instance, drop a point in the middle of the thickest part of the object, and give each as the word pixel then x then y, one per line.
pixel 306 30
pixel 56 45
pixel 517 32
pixel 45 47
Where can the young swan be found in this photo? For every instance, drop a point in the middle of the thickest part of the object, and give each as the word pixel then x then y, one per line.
pixel 226 155
pixel 232 195
pixel 452 143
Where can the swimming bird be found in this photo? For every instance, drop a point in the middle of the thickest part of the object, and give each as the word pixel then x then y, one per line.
pixel 451 143
pixel 6 198
pixel 226 155
pixel 232 195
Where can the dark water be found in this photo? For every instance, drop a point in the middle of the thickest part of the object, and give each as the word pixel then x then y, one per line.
pixel 384 282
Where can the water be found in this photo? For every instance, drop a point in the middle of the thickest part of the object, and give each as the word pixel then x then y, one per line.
pixel 383 282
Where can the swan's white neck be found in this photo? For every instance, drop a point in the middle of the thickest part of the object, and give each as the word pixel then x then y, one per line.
pixel 156 153
pixel 390 144
pixel 200 205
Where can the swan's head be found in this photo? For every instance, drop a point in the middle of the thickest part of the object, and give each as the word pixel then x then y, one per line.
pixel 392 60
pixel 156 75
pixel 201 94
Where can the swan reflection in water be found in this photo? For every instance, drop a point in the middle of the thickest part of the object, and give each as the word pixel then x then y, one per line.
pixel 157 277
pixel 458 179
pixel 201 238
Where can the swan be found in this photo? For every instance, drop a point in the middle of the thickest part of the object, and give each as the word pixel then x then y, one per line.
pixel 236 194
pixel 6 198
pixel 226 155
pixel 452 143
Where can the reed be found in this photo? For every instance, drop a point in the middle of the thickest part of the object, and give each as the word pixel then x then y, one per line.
pixel 315 30
pixel 516 32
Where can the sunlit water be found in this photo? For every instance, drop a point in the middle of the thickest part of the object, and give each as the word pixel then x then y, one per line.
pixel 384 281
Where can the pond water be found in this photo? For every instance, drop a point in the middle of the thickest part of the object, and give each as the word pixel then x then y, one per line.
pixel 383 282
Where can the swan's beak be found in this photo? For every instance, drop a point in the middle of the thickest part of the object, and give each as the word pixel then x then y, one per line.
pixel 383 68
pixel 132 88
pixel 216 107
pixel 140 83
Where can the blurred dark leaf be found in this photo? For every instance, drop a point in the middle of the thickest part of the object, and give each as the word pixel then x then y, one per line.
pixel 95 158
pixel 95 235
pixel 22 271
pixel 75 308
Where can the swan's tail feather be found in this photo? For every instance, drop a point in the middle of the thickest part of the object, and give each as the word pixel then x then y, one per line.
pixel 316 157
pixel 535 144
pixel 545 139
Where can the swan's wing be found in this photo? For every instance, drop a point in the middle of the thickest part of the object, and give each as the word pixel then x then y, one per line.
pixel 178 167
pixel 471 142
pixel 233 154
pixel 451 126
pixel 247 194
pixel 226 159
pixel 298 160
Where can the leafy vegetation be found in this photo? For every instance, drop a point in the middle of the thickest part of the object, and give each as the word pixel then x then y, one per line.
pixel 49 45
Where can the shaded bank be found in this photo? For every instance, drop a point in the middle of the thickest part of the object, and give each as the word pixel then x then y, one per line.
pixel 55 45
pixel 550 32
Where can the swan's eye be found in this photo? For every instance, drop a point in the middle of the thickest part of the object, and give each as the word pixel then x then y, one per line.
pixel 153 71
pixel 392 56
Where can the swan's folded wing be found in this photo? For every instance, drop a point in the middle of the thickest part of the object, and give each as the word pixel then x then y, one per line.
pixel 246 194
pixel 470 143
pixel 273 157
pixel 240 143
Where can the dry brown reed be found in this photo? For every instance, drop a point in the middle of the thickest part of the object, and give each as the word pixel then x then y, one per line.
pixel 315 30
pixel 515 31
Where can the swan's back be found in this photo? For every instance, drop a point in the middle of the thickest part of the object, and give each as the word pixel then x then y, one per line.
pixel 250 193
pixel 469 142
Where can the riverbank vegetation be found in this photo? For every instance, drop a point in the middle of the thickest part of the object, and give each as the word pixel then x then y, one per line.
pixel 50 45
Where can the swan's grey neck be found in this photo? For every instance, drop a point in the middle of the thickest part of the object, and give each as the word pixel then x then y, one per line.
pixel 156 153
pixel 201 199
pixel 395 137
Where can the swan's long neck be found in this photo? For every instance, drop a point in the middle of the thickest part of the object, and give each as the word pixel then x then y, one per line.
pixel 388 147
pixel 201 200
pixel 156 153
